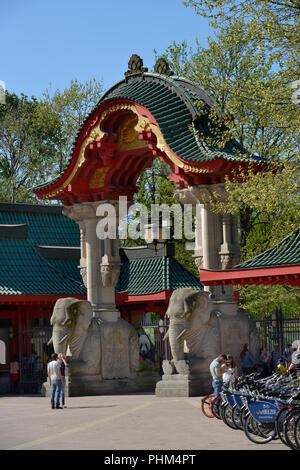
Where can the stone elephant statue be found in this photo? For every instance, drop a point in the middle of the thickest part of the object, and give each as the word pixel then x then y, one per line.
pixel 93 346
pixel 189 311
pixel 76 334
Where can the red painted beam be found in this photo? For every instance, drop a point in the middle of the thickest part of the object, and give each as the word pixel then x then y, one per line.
pixel 273 275
pixel 34 299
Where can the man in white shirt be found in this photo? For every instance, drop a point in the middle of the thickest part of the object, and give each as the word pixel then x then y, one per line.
pixel 55 380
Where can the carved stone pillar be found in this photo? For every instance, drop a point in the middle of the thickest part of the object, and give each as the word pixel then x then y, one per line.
pixel 100 261
pixel 216 240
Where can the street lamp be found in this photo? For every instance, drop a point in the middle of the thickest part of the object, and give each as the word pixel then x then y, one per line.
pixel 161 326
pixel 156 235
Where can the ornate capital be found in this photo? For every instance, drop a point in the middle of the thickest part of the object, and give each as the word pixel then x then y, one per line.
pixel 202 194
pixel 81 211
pixel 109 274
pixel 83 274
pixel 198 261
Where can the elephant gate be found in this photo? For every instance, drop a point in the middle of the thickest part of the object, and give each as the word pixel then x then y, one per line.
pixel 144 116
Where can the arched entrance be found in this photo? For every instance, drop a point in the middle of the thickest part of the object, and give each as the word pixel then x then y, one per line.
pixel 148 115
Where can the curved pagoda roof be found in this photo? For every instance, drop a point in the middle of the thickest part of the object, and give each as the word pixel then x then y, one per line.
pixel 175 128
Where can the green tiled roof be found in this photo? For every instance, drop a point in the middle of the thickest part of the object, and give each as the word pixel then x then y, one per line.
pixel 172 102
pixel 153 275
pixel 46 224
pixel 42 259
pixel 23 271
pixel 285 253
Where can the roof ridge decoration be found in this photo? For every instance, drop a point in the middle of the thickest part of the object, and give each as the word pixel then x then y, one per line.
pixel 162 67
pixel 135 65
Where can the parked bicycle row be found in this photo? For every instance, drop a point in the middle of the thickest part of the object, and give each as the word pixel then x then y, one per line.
pixel 263 408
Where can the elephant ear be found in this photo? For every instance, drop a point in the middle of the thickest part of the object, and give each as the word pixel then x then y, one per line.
pixel 71 315
pixel 191 302
pixel 84 313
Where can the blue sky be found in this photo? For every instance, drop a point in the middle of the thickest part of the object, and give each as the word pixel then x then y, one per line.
pixel 45 41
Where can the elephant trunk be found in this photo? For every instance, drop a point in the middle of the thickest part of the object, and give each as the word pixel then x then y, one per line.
pixel 176 340
pixel 60 338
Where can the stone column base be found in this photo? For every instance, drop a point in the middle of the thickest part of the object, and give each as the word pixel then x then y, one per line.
pixel 178 385
pixel 90 385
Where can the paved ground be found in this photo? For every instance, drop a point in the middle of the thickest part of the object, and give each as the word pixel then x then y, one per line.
pixel 127 422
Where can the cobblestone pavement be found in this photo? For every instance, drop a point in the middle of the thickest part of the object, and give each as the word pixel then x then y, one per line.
pixel 119 422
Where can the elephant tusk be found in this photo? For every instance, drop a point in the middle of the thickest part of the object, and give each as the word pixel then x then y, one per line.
pixel 64 338
pixel 181 334
pixel 50 341
pixel 166 335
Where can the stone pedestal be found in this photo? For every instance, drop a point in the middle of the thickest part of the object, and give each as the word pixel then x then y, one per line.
pixel 90 385
pixel 179 385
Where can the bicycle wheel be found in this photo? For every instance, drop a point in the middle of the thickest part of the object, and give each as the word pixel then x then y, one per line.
pixel 259 433
pixel 237 417
pixel 289 428
pixel 297 432
pixel 280 419
pixel 226 415
pixel 216 407
pixel 206 406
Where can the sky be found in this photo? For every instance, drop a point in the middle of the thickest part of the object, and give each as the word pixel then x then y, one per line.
pixel 55 41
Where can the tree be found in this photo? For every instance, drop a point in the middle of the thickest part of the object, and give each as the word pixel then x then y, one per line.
pixel 37 136
pixel 272 22
pixel 243 80
pixel 251 88
pixel 69 108
pixel 26 146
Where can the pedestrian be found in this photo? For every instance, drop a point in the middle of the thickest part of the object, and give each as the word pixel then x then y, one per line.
pixel 276 356
pixel 14 370
pixel 63 363
pixel 55 380
pixel 287 355
pixel 247 360
pixel 230 371
pixel 294 368
pixel 264 363
pixel 217 373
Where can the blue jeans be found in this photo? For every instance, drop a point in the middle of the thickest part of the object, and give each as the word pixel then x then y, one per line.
pixel 217 386
pixel 55 392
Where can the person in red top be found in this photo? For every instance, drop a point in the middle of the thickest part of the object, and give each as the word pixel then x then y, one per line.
pixel 14 374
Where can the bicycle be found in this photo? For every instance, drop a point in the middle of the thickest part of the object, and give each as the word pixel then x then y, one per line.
pixel 206 405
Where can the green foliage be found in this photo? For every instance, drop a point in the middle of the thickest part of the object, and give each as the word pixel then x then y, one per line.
pixel 69 109
pixel 274 23
pixel 36 137
pixel 248 68
pixel 26 146
pixel 263 299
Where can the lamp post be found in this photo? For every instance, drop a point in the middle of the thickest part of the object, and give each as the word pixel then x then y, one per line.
pixel 156 235
pixel 162 327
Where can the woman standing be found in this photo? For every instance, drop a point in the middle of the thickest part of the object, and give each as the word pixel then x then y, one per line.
pixel 230 371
